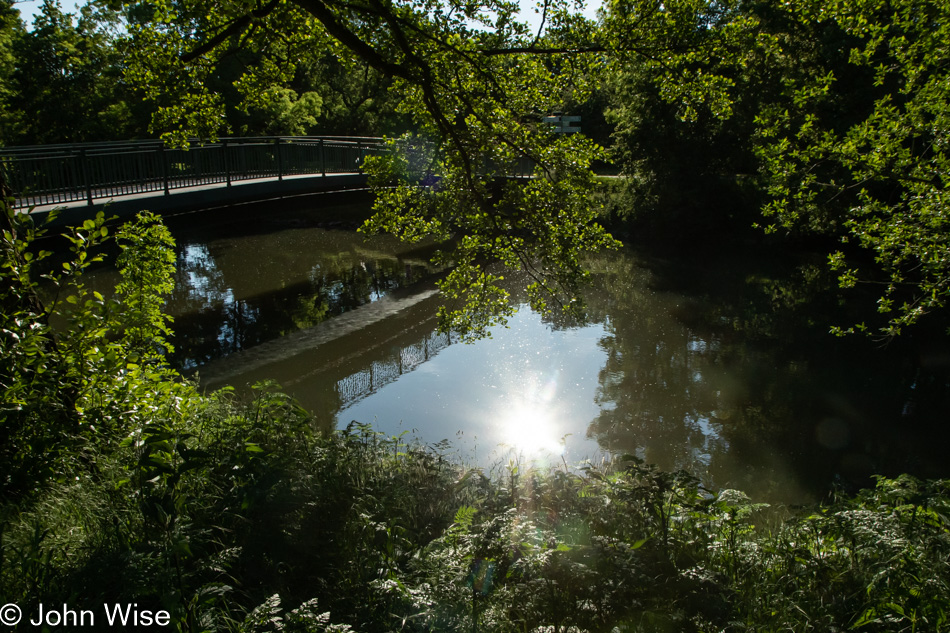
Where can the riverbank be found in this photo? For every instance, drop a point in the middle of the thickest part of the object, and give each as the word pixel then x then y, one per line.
pixel 124 485
pixel 236 517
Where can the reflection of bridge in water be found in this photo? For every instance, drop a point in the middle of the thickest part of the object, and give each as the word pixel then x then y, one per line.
pixel 335 364
pixel 380 373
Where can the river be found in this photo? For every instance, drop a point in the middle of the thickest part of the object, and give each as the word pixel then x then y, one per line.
pixel 718 364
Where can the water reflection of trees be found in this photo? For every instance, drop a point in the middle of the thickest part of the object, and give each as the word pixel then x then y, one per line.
pixel 725 369
pixel 223 304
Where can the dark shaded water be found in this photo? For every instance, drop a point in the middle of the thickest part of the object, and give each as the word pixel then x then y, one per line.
pixel 720 365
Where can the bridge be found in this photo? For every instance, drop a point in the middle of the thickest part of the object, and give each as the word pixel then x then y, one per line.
pixel 133 175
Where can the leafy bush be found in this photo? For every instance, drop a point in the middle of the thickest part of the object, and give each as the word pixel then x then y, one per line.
pixel 123 484
pixel 79 370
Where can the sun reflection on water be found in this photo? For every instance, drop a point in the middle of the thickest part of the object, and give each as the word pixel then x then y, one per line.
pixel 531 431
pixel 530 425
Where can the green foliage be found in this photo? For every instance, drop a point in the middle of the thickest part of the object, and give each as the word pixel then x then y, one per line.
pixel 147 267
pixel 66 79
pixel 282 112
pixel 222 511
pixel 489 224
pixel 840 107
pixel 828 117
pixel 84 55
pixel 475 83
pixel 70 384
pixel 882 170
pixel 122 484
pixel 10 29
pixel 355 97
pixel 682 97
pixel 876 562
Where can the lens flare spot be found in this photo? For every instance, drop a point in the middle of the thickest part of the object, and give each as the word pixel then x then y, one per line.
pixel 531 429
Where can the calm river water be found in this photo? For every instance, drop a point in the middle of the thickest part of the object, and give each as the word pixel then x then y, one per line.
pixel 720 365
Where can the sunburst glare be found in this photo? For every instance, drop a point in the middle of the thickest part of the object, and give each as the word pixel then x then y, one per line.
pixel 531 430
pixel 530 424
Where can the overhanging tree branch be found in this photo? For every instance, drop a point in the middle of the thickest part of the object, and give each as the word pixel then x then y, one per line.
pixel 352 41
pixel 234 28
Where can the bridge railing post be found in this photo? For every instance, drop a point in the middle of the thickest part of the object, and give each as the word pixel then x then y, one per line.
pixel 163 159
pixel 323 160
pixel 227 161
pixel 87 181
pixel 280 166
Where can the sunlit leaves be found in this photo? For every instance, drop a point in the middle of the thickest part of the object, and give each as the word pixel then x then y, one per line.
pixel 850 121
pixel 884 171
pixel 491 221
pixel 147 266
pixel 477 84
pixel 79 54
pixel 79 368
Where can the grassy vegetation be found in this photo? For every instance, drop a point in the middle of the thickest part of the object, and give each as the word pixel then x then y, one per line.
pixel 264 527
pixel 123 484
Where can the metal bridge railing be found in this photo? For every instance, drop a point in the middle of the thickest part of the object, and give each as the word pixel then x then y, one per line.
pixel 60 174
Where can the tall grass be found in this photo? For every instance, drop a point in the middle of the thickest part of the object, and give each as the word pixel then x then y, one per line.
pixel 281 529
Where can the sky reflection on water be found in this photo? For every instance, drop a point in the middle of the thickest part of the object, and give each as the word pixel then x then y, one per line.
pixel 719 366
pixel 528 389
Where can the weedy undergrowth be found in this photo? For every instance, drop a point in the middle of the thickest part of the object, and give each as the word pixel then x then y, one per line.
pixel 123 484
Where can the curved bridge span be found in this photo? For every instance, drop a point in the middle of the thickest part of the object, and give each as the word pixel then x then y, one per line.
pixel 151 174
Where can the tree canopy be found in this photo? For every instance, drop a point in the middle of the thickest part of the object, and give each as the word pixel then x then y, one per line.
pixel 837 109
pixel 65 80
pixel 858 144
pixel 806 119
pixel 477 84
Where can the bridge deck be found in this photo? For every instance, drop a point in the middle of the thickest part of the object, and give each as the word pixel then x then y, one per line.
pixel 207 196
pixel 132 175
